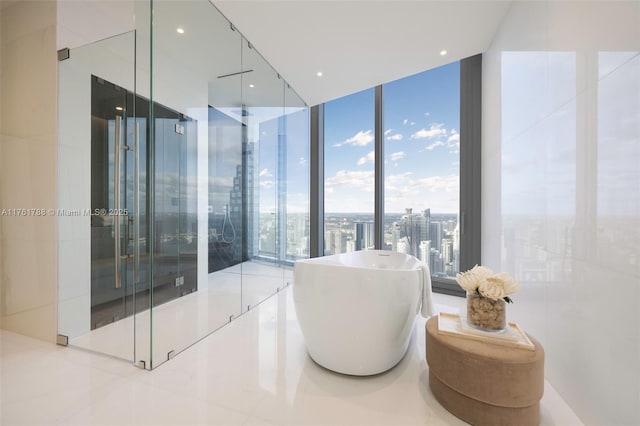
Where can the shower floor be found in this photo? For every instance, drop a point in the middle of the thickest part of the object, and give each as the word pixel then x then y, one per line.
pixel 173 326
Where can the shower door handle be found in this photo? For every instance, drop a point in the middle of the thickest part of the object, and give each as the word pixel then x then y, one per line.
pixel 136 204
pixel 116 200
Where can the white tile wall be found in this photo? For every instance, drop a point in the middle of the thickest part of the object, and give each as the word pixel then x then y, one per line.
pixel 561 192
pixel 28 165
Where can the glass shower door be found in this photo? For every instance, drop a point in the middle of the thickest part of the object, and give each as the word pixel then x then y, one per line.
pixel 102 282
pixel 112 205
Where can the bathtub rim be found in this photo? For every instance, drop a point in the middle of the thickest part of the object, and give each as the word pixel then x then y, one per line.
pixel 329 260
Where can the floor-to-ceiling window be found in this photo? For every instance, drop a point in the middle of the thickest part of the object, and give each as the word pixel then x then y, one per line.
pixel 415 186
pixel 422 167
pixel 349 173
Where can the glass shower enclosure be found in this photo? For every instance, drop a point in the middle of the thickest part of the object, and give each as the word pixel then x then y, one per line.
pixel 183 166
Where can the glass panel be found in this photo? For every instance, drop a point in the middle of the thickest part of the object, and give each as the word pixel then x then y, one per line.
pixel 187 149
pixel 226 212
pixel 297 190
pixel 539 152
pixel 197 116
pixel 422 167
pixel 97 193
pixel 618 152
pixel 297 163
pixel 349 173
pixel 263 114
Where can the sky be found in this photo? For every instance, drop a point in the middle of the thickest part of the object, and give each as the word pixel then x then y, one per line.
pixel 422 146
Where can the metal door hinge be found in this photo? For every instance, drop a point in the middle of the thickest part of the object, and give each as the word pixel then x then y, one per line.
pixel 63 54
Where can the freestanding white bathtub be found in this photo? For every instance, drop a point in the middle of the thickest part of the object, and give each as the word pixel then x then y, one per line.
pixel 357 310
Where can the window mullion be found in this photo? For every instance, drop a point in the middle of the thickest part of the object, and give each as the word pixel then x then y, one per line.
pixel 379 170
pixel 316 182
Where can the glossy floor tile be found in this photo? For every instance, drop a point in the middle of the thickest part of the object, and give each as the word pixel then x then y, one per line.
pixel 176 325
pixel 253 371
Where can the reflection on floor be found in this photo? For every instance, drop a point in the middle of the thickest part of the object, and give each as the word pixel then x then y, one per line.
pixel 180 323
pixel 254 371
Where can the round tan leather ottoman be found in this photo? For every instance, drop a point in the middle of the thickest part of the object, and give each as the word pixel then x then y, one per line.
pixel 484 383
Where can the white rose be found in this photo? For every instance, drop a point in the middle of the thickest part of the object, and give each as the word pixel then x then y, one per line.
pixel 481 272
pixel 510 285
pixel 470 280
pixel 492 287
pixel 467 281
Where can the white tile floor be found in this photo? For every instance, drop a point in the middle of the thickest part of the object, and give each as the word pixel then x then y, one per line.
pixel 254 371
pixel 185 320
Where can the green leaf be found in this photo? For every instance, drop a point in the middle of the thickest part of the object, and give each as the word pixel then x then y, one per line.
pixel 507 299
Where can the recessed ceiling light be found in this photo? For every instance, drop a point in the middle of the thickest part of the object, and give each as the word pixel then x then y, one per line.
pixel 252 85
pixel 180 31
pixel 319 73
pixel 119 108
pixel 443 52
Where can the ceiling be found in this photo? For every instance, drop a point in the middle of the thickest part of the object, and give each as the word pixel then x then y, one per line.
pixel 360 44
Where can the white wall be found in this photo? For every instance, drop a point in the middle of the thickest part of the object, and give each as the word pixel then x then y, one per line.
pixel 561 193
pixel 28 166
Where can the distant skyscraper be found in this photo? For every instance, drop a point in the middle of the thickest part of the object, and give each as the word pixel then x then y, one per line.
pixel 425 251
pixel 364 234
pixel 396 234
pixel 435 234
pixel 447 256
pixel 425 221
pixel 434 262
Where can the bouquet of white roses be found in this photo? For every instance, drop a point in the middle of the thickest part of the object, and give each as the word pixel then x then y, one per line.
pixel 483 281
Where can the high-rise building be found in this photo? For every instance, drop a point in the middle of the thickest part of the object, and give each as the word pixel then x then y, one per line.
pixel 447 255
pixel 435 234
pixel 425 251
pixel 424 220
pixel 364 235
pixel 435 262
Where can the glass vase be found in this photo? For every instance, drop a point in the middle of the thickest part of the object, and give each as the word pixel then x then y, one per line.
pixel 486 314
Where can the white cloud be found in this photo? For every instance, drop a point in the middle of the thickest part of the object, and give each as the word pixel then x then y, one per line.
pixel 361 138
pixel 265 172
pixel 439 183
pixel 266 184
pixel 434 131
pixel 392 180
pixel 396 137
pixel 351 179
pixel 388 131
pixel 413 123
pixel 302 161
pixel 434 145
pixel 369 158
pixel 427 114
pixel 398 156
pixel 405 121
pixel 454 140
